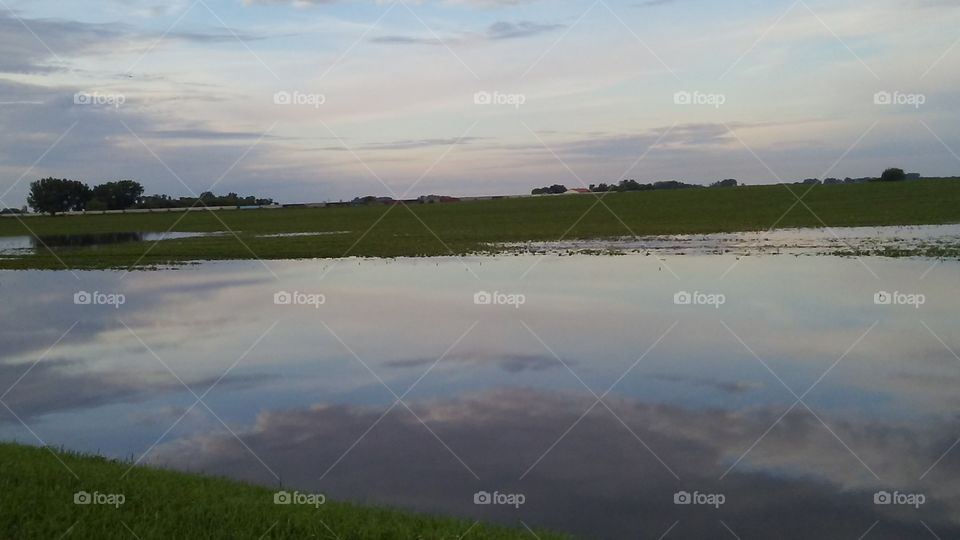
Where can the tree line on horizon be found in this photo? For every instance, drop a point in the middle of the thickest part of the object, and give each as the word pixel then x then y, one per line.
pixel 889 175
pixel 58 195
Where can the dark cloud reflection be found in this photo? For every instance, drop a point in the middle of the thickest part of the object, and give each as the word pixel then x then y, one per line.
pixel 599 481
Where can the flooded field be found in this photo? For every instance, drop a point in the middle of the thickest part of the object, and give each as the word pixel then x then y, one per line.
pixel 609 397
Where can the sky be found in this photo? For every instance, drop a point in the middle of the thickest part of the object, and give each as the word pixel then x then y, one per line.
pixel 317 100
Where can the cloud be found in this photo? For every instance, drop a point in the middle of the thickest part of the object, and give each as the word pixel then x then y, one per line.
pixel 735 387
pixel 511 363
pixel 44 45
pixel 485 4
pixel 498 31
pixel 598 480
pixel 42 389
pixel 407 144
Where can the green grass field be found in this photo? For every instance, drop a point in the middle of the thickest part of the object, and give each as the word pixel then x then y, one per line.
pixel 37 494
pixel 468 227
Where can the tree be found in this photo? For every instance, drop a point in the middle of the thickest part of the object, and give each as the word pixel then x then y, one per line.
pixel 729 182
pixel 117 195
pixel 52 195
pixel 893 175
pixel 555 189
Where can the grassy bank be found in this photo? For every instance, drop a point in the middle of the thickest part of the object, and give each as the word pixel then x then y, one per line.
pixel 37 493
pixel 459 228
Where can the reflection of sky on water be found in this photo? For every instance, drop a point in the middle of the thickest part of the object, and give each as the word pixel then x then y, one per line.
pixel 500 398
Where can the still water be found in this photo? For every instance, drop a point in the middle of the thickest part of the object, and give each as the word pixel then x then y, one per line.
pixel 25 245
pixel 782 396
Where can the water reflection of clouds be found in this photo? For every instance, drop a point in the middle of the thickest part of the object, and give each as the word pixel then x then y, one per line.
pixel 599 480
pixel 699 399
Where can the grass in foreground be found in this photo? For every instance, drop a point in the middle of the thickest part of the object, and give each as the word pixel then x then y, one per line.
pixel 469 227
pixel 37 494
